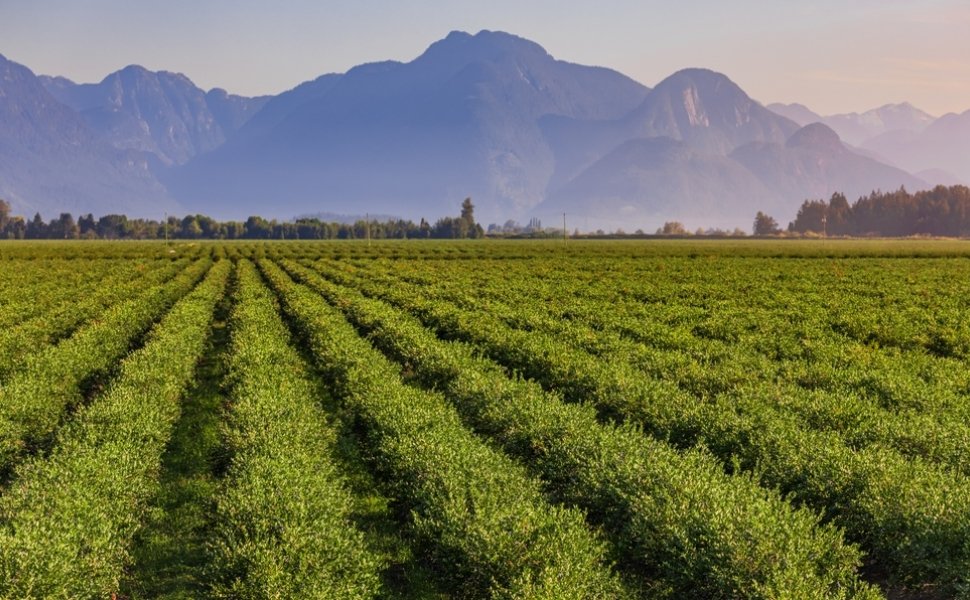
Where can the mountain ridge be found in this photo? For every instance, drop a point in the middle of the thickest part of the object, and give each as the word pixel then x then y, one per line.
pixel 488 115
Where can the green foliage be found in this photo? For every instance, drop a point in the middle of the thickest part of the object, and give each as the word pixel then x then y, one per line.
pixel 677 418
pixel 59 311
pixel 32 402
pixel 68 518
pixel 283 518
pixel 942 211
pixel 917 541
pixel 675 517
pixel 491 532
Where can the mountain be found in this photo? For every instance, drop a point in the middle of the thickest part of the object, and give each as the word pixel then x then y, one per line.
pixel 52 162
pixel 702 108
pixel 707 111
pixel 162 113
pixel 798 113
pixel 490 115
pixel 856 128
pixel 462 119
pixel 650 180
pixel 942 146
pixel 279 107
pixel 646 181
pixel 814 163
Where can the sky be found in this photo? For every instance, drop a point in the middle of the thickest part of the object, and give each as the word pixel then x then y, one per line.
pixel 834 56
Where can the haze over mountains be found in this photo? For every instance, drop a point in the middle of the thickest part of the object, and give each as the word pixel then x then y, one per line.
pixel 491 116
pixel 936 149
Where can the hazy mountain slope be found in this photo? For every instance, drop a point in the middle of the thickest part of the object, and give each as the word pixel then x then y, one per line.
pixel 708 111
pixel 279 107
pixel 814 163
pixel 412 138
pixel 702 108
pixel 945 145
pixel 798 113
pixel 645 181
pixel 50 161
pixel 856 128
pixel 662 179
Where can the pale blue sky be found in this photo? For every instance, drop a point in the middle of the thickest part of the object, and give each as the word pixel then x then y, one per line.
pixel 834 56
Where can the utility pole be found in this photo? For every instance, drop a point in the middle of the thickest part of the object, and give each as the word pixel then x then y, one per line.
pixel 825 228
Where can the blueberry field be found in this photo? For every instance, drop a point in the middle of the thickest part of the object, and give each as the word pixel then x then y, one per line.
pixel 485 419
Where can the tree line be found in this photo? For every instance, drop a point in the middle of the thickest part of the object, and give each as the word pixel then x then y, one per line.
pixel 201 227
pixel 941 211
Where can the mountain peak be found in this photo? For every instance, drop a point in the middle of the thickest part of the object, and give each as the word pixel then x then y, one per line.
pixel 131 71
pixel 798 113
pixel 708 111
pixel 702 78
pixel 706 97
pixel 816 136
pixel 484 45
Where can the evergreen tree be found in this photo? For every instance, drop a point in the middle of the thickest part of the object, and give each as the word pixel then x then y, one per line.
pixel 765 224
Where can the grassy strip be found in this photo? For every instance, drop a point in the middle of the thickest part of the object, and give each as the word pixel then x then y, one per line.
pixel 911 517
pixel 491 532
pixel 283 526
pixel 676 516
pixel 68 519
pixel 33 403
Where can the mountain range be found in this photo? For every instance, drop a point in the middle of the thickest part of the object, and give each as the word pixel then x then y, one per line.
pixel 491 116
pixel 934 149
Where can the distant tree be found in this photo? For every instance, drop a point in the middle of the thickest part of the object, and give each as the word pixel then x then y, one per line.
pixel 63 227
pixel 190 228
pixel 16 228
pixel 468 228
pixel 258 228
pixel 211 229
pixel 672 228
pixel 36 228
pixel 4 214
pixel 234 229
pixel 811 216
pixel 765 224
pixel 838 215
pixel 468 211
pixel 87 226
pixel 446 228
pixel 113 227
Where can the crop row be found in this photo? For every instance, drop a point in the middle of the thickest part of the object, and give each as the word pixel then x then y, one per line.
pixel 67 520
pixel 34 400
pixel 489 529
pixel 675 516
pixel 912 518
pixel 29 289
pixel 283 527
pixel 941 435
pixel 59 320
